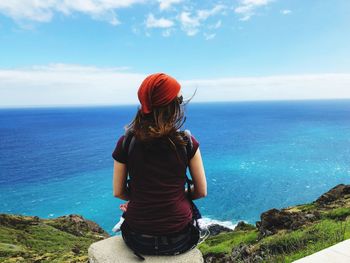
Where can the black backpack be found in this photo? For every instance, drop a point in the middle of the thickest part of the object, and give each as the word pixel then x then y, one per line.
pixel 127 145
pixel 129 141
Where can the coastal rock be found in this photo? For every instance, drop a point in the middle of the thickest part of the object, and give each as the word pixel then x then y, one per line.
pixel 334 205
pixel 240 252
pixel 216 229
pixel 274 220
pixel 245 253
pixel 336 193
pixel 34 239
pixel 242 226
pixel 289 219
pixel 217 258
pixel 78 226
pixel 18 221
pixel 312 216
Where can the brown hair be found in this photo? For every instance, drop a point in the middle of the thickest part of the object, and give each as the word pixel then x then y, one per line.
pixel 162 122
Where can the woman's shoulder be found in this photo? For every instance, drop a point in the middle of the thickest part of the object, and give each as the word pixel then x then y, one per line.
pixel 190 136
pixel 128 133
pixel 118 153
pixel 193 144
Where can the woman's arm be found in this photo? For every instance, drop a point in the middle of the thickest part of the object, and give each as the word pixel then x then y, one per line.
pixel 119 181
pixel 199 189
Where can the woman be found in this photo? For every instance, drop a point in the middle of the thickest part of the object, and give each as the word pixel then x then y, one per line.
pixel 159 218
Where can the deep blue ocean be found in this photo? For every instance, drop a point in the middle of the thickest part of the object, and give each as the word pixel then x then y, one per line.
pixel 257 156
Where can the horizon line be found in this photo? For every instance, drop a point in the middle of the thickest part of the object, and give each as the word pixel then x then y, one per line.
pixel 57 106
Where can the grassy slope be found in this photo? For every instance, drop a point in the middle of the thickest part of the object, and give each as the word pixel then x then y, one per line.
pixel 284 246
pixel 42 243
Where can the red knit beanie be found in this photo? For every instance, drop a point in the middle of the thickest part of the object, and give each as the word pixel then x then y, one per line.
pixel 158 89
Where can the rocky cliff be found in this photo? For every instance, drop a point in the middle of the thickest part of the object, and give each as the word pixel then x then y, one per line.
pixel 280 235
pixel 61 239
pixel 287 234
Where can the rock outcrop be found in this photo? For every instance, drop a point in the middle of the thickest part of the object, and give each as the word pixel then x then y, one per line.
pixel 77 225
pixel 323 221
pixel 241 225
pixel 114 250
pixel 18 221
pixel 33 239
pixel 274 220
pixel 337 193
pixel 216 229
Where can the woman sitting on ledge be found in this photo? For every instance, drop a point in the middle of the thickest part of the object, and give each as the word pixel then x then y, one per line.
pixel 160 217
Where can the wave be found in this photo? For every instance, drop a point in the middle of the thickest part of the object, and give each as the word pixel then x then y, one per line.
pixel 229 224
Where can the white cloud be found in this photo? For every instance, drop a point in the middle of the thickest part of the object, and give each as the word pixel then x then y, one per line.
pixel 61 84
pixel 245 18
pixel 215 26
pixel 209 36
pixel 166 4
pixel 205 13
pixel 247 8
pixel 284 87
pixel 286 12
pixel 43 11
pixel 29 12
pixel 153 22
pixel 191 23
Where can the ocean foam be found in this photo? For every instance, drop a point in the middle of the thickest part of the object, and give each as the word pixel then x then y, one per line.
pixel 229 224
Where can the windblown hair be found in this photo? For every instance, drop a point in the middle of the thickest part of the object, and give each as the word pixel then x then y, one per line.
pixel 163 122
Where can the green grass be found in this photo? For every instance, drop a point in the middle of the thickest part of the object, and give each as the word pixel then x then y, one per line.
pixel 42 242
pixel 329 232
pixel 306 207
pixel 224 242
pixel 308 240
pixel 338 213
pixel 9 250
pixel 284 246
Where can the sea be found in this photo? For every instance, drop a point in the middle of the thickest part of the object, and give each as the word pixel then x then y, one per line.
pixel 256 155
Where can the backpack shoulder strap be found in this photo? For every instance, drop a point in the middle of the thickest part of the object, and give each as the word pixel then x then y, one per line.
pixel 188 148
pixel 127 145
pixel 128 141
pixel 189 145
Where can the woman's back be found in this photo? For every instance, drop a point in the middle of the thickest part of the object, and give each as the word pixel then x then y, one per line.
pixel 158 203
pixel 160 217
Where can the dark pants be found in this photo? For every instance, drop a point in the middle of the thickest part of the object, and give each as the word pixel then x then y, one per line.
pixel 172 244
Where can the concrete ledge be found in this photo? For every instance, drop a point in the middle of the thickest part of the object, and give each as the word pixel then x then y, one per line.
pixel 114 250
pixel 339 253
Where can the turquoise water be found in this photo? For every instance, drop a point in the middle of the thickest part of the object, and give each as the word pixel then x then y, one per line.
pixel 257 155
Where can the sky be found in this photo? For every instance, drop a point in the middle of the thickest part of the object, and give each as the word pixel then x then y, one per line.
pixel 97 52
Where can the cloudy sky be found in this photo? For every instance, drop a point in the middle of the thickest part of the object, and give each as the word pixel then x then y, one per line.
pixel 93 52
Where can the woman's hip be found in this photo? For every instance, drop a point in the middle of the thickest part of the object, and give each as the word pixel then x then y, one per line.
pixel 171 244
